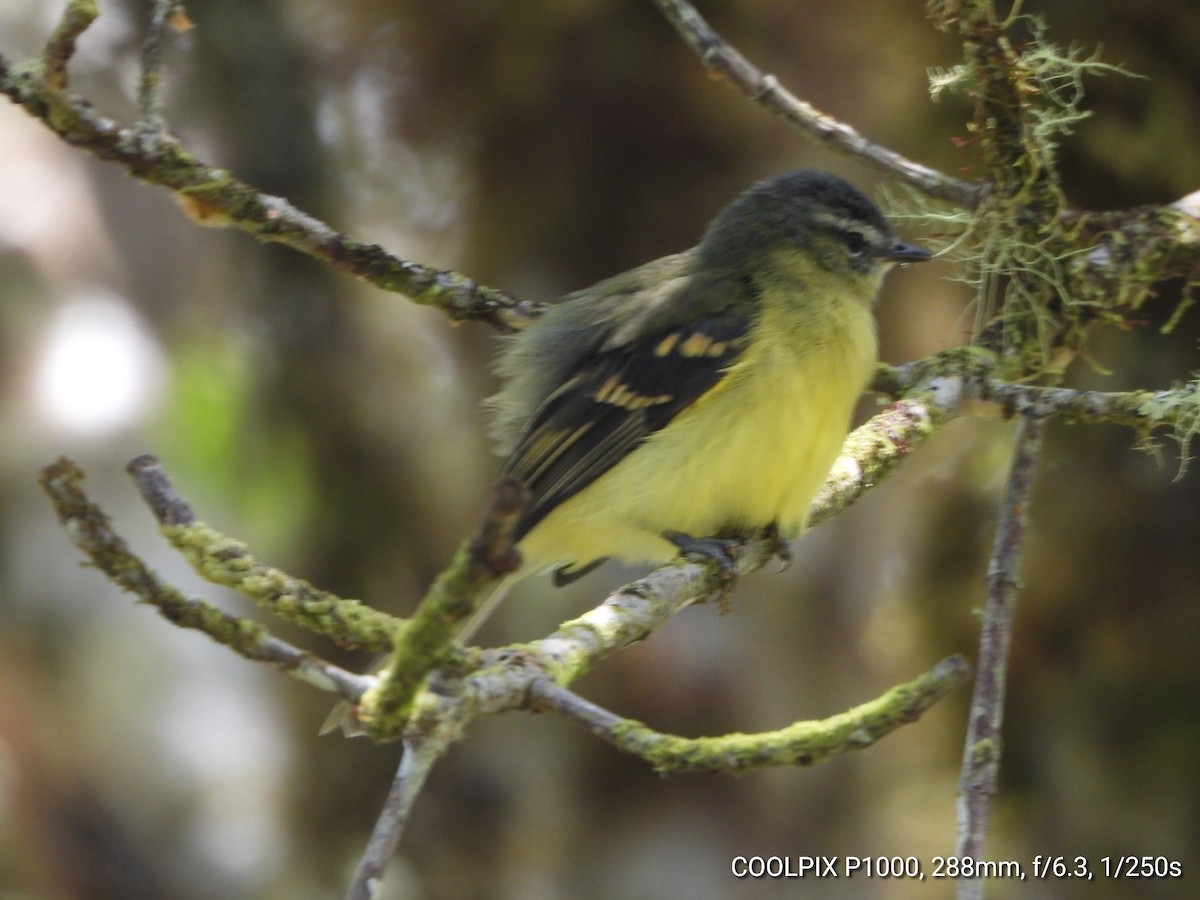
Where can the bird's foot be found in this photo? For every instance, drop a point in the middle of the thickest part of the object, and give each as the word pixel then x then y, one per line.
pixel 722 552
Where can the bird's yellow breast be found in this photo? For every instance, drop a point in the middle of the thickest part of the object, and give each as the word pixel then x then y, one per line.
pixel 752 451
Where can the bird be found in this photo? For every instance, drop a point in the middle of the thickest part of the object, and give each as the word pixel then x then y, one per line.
pixel 698 399
pixel 701 397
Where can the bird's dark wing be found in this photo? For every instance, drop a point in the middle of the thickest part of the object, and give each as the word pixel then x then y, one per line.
pixel 613 400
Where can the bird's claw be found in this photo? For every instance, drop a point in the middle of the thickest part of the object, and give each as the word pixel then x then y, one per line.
pixel 717 550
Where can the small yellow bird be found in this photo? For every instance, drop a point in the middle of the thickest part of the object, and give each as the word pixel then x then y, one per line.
pixel 702 395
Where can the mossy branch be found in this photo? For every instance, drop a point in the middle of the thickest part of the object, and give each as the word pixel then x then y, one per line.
pixel 215 197
pixel 92 533
pixel 954 378
pixel 798 744
pixel 225 561
pixel 1045 274
pixel 466 684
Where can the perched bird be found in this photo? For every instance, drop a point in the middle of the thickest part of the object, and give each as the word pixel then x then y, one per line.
pixel 704 394
pixel 700 397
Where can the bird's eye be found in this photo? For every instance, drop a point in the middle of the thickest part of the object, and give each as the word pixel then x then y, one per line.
pixel 856 242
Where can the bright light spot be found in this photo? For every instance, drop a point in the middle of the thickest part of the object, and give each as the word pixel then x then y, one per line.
pixel 99 369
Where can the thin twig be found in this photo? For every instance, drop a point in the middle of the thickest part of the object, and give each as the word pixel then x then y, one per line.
pixel 91 531
pixel 150 103
pixel 228 562
pixel 157 491
pixel 981 755
pixel 437 724
pixel 60 47
pixel 414 767
pixel 720 58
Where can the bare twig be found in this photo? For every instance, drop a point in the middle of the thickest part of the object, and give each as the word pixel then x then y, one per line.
pixel 798 744
pixel 415 765
pixel 981 755
pixel 150 104
pixel 91 531
pixel 720 58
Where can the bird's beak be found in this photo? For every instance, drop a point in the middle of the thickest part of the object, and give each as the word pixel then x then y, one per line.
pixel 906 253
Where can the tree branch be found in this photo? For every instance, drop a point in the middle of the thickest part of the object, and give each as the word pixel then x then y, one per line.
pixel 150 105
pixel 981 755
pixel 60 47
pixel 872 451
pixel 721 59
pixel 227 562
pixel 509 678
pixel 418 760
pixel 214 197
pixel 91 532
pixel 798 744
pixel 427 638
pixel 1069 268
pixel 951 378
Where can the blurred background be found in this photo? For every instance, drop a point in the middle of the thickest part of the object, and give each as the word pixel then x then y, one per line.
pixel 539 146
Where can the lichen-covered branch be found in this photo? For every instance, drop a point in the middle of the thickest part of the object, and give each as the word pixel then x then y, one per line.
pixel 533 676
pixel 91 531
pixel 634 612
pixel 1054 272
pixel 443 691
pixel 167 14
pixel 1045 274
pixel 950 379
pixel 213 196
pixel 798 744
pixel 873 450
pixel 426 639
pixel 226 561
pixel 982 751
pixel 60 47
